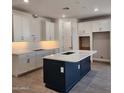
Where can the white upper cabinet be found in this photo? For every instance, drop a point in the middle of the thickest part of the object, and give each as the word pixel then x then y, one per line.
pixel 17 28
pixel 47 30
pixel 101 25
pixel 36 29
pixel 26 29
pixel 84 28
pixel 51 29
pixel 67 36
pixel 65 33
pixel 21 28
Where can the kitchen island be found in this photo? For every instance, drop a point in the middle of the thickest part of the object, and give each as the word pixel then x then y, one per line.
pixel 63 70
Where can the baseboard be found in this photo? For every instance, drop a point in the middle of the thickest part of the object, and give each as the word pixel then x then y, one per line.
pixel 102 60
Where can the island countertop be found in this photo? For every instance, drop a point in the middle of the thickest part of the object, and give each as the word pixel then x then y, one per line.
pixel 76 56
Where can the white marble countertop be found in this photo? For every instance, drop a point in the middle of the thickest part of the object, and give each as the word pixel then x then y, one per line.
pixel 75 57
pixel 20 52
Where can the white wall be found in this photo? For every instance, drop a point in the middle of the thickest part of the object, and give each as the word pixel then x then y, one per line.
pixel 101 43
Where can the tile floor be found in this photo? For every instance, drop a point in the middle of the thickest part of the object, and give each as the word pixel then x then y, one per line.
pixel 98 80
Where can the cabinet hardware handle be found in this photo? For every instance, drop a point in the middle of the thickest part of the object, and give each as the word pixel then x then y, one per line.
pixel 78 66
pixel 83 31
pixel 61 69
pixel 22 38
pixel 28 60
pixel 100 29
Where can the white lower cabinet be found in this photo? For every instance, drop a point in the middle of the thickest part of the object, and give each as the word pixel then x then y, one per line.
pixel 23 63
pixel 31 60
pixel 39 59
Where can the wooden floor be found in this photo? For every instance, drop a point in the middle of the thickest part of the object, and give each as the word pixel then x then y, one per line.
pixel 98 80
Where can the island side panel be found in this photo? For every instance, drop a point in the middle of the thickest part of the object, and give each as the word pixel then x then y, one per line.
pixel 72 74
pixel 85 65
pixel 53 77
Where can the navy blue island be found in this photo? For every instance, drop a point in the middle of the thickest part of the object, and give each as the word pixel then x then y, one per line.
pixel 63 70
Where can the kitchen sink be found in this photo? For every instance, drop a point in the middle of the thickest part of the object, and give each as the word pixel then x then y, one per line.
pixel 68 53
pixel 38 50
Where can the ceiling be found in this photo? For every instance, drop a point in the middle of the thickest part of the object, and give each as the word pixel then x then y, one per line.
pixel 54 8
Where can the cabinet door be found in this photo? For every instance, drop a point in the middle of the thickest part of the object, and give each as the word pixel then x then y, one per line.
pixel 32 60
pixel 96 26
pixel 39 59
pixel 23 64
pixel 26 29
pixel 26 63
pixel 85 66
pixel 101 25
pixel 48 30
pixel 51 30
pixel 67 36
pixel 84 28
pixel 17 27
pixel 35 29
pixel 105 25
pixel 72 74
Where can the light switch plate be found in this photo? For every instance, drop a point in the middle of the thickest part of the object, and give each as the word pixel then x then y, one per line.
pixel 62 69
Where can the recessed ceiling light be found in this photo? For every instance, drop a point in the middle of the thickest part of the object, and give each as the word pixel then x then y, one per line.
pixel 83 7
pixel 26 1
pixel 96 9
pixel 77 2
pixel 66 8
pixel 35 15
pixel 63 16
